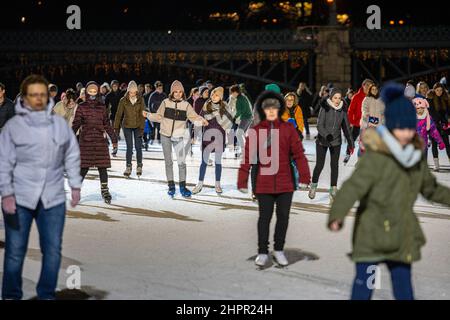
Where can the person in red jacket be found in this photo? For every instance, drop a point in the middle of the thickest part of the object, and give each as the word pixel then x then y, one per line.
pixel 274 146
pixel 355 112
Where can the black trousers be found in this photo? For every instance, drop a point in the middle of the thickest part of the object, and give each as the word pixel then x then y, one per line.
pixel 321 153
pixel 306 123
pixel 434 145
pixel 155 132
pixel 101 171
pixel 266 204
pixel 355 134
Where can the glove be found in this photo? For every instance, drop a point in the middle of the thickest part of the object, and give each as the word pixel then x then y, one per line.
pixel 441 146
pixel 351 150
pixel 329 137
pixel 9 204
pixel 335 225
pixel 243 190
pixel 303 186
pixel 75 197
pixel 446 126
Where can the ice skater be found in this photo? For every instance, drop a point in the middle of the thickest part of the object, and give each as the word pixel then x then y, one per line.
pixel 92 120
pixel 173 114
pixel 275 149
pixel 386 182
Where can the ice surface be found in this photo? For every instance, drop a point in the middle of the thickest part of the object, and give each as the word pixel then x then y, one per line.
pixel 148 246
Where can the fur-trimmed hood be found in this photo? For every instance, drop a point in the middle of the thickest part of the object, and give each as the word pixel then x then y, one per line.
pixel 269 95
pixel 382 141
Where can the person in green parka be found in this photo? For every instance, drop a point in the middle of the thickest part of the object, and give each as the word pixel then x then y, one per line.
pixel 386 182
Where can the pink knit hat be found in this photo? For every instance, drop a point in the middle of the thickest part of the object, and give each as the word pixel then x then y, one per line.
pixel 176 86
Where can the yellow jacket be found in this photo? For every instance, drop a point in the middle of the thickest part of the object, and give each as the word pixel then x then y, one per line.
pixel 298 115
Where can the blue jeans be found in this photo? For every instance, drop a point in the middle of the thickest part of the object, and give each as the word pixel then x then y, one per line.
pixel 50 224
pixel 400 277
pixel 204 164
pixel 129 135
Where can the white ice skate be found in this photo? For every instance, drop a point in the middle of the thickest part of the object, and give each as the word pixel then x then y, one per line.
pixel 262 260
pixel 280 258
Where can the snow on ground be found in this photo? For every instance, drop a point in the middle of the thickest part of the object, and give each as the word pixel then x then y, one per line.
pixel 147 246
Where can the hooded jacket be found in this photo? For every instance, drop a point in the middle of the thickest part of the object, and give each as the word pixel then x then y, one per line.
pixel 330 123
pixel 386 182
pixel 173 115
pixel 36 148
pixel 92 121
pixel 131 113
pixel 274 173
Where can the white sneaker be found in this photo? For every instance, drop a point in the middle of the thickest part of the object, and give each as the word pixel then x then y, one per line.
pixel 280 258
pixel 262 259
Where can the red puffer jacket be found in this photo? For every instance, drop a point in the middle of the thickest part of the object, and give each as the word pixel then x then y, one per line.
pixel 355 108
pixel 279 179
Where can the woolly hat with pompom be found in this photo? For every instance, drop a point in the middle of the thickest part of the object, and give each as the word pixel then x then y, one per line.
pixel 400 112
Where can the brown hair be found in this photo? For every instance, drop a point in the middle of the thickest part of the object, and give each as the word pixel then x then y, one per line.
pixel 208 106
pixel 32 79
pixel 235 88
pixel 442 102
pixel 369 94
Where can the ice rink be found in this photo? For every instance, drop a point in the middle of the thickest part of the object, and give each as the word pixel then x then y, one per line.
pixel 148 246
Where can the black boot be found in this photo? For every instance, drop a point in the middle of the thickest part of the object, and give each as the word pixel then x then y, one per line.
pixel 105 193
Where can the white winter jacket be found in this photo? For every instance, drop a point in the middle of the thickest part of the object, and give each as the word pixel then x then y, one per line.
pixel 36 148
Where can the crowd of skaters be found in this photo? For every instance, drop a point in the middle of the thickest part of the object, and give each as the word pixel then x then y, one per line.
pixel 393 125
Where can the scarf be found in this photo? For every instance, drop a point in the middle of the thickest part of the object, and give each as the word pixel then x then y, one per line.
pixel 225 120
pixel 407 156
pixel 331 104
pixel 425 115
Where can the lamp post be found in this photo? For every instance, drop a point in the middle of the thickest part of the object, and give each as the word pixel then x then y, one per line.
pixel 332 20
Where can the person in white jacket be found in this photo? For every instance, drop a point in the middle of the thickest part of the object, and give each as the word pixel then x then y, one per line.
pixel 36 149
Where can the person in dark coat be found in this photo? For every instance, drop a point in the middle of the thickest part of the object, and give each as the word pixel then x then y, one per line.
pixel 154 102
pixel 112 99
pixel 91 117
pixel 305 100
pixel 276 156
pixel 331 122
pixel 6 107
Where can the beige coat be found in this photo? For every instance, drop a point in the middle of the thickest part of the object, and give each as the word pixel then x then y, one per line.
pixel 173 117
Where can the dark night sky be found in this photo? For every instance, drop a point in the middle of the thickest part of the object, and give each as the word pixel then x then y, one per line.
pixel 193 14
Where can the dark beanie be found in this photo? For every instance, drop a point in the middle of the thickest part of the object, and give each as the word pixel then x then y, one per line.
pixel 400 112
pixel 335 91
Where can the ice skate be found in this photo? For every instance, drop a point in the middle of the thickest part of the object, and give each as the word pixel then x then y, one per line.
pixel 139 171
pixel 262 260
pixel 171 191
pixel 280 258
pixel 127 172
pixel 312 191
pixel 333 191
pixel 185 192
pixel 198 187
pixel 219 189
pixel 346 159
pixel 105 193
pixel 436 165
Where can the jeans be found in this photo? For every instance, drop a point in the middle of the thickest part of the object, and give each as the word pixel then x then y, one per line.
pixel 400 277
pixel 156 135
pixel 129 134
pixel 266 203
pixel 321 153
pixel 218 161
pixel 50 224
